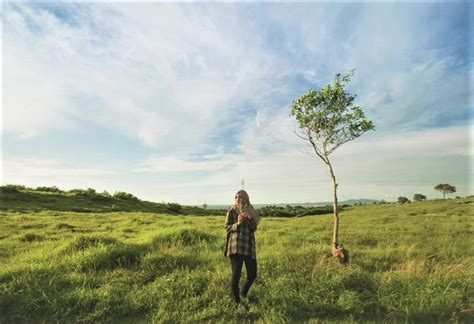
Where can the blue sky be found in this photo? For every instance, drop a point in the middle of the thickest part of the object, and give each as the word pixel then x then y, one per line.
pixel 181 101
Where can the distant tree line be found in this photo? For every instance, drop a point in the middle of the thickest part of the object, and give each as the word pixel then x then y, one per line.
pixel 444 188
pixel 295 211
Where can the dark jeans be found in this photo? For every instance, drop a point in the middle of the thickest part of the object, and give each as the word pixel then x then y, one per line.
pixel 236 262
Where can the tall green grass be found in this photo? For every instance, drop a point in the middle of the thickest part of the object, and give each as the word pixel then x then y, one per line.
pixel 409 263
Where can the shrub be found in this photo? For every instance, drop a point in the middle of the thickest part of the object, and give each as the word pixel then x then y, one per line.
pixel 78 192
pixel 280 213
pixel 124 196
pixel 318 211
pixel 174 207
pixel 49 189
pixel 105 194
pixel 275 211
pixel 293 211
pixel 12 188
pixel 90 192
pixel 419 197
pixel 403 200
pixel 101 197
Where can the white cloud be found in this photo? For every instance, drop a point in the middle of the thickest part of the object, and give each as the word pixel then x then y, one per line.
pixel 19 169
pixel 174 164
pixel 163 74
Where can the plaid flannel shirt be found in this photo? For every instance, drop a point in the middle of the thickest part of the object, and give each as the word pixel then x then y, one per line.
pixel 240 238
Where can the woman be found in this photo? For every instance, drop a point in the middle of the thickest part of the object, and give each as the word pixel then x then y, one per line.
pixel 241 223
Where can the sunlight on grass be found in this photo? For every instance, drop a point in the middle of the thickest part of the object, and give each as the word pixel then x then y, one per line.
pixel 408 263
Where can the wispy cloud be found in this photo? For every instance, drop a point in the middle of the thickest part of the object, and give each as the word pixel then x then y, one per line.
pixel 172 80
pixel 174 164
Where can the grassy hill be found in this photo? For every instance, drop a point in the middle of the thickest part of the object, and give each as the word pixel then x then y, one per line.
pixel 21 199
pixel 409 263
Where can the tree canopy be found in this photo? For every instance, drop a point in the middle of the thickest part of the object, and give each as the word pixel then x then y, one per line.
pixel 327 118
pixel 419 197
pixel 403 200
pixel 445 189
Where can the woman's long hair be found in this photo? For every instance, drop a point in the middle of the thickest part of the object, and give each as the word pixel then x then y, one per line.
pixel 246 206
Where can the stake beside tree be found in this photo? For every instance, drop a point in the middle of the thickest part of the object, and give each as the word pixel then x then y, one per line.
pixel 327 119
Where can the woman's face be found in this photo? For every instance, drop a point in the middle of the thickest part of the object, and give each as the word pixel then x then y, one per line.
pixel 238 199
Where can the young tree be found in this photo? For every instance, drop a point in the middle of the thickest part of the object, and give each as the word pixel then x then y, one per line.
pixel 327 119
pixel 445 189
pixel 419 197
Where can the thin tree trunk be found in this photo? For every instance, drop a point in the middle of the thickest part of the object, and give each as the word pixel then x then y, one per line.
pixel 335 209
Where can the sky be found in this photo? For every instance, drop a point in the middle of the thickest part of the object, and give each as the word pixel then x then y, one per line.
pixel 181 102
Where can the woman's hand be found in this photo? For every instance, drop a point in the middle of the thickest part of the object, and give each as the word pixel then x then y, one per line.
pixel 241 218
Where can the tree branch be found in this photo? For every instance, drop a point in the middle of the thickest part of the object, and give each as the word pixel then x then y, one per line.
pixel 300 136
pixel 316 150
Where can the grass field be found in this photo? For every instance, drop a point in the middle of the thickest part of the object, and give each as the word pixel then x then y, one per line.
pixel 409 263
